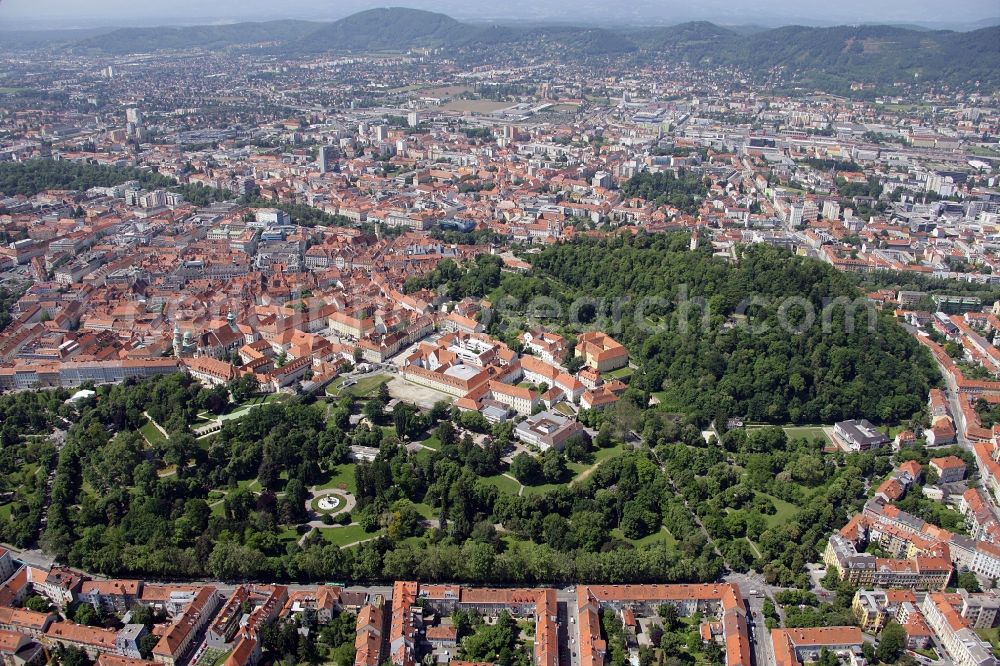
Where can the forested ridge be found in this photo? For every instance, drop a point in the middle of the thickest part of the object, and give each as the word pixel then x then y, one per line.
pixel 723 366
pixel 831 57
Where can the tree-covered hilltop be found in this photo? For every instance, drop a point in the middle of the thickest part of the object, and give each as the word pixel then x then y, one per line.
pixel 30 177
pixel 388 28
pixel 739 361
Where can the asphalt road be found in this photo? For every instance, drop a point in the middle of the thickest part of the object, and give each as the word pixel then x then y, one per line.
pixel 760 637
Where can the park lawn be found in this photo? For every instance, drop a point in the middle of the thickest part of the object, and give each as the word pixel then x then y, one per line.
pixel 432 442
pixel 620 373
pixel 341 479
pixel 218 509
pixel 661 538
pixel 341 536
pixel 502 483
pixel 512 541
pixel 251 484
pixel 583 470
pixel 152 434
pixel 543 488
pixel 290 534
pixel 425 510
pixel 5 511
pixel 259 399
pixel 333 388
pixel 423 454
pixel 244 408
pixel 786 511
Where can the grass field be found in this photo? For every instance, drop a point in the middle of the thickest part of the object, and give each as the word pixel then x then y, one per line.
pixel 342 478
pixel 366 387
pixel 289 534
pixel 432 442
pixel 342 536
pixel 806 432
pixel 813 433
pixel 425 510
pixel 333 388
pixel 661 538
pixel 785 511
pixel 992 636
pixel 582 470
pixel 152 434
pixel 503 483
pixel 620 373
pixel 544 488
pixel 252 484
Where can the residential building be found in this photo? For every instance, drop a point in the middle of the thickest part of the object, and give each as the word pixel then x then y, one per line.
pixel 795 647
pixel 964 647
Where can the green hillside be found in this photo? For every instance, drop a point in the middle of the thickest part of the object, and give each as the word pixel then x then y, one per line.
pixel 386 29
pixel 144 40
pixel 830 58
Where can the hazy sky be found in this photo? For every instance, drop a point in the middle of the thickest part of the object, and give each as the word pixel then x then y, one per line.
pixel 88 13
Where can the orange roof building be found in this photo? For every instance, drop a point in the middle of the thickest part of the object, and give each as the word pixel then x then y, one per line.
pixel 793 647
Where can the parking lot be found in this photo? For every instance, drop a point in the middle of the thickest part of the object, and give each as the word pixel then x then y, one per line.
pixel 415 394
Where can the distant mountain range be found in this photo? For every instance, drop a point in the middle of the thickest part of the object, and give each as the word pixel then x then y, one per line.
pixel 829 57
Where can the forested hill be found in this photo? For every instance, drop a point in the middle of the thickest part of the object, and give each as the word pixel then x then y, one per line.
pixel 824 57
pixel 146 40
pixel 728 366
